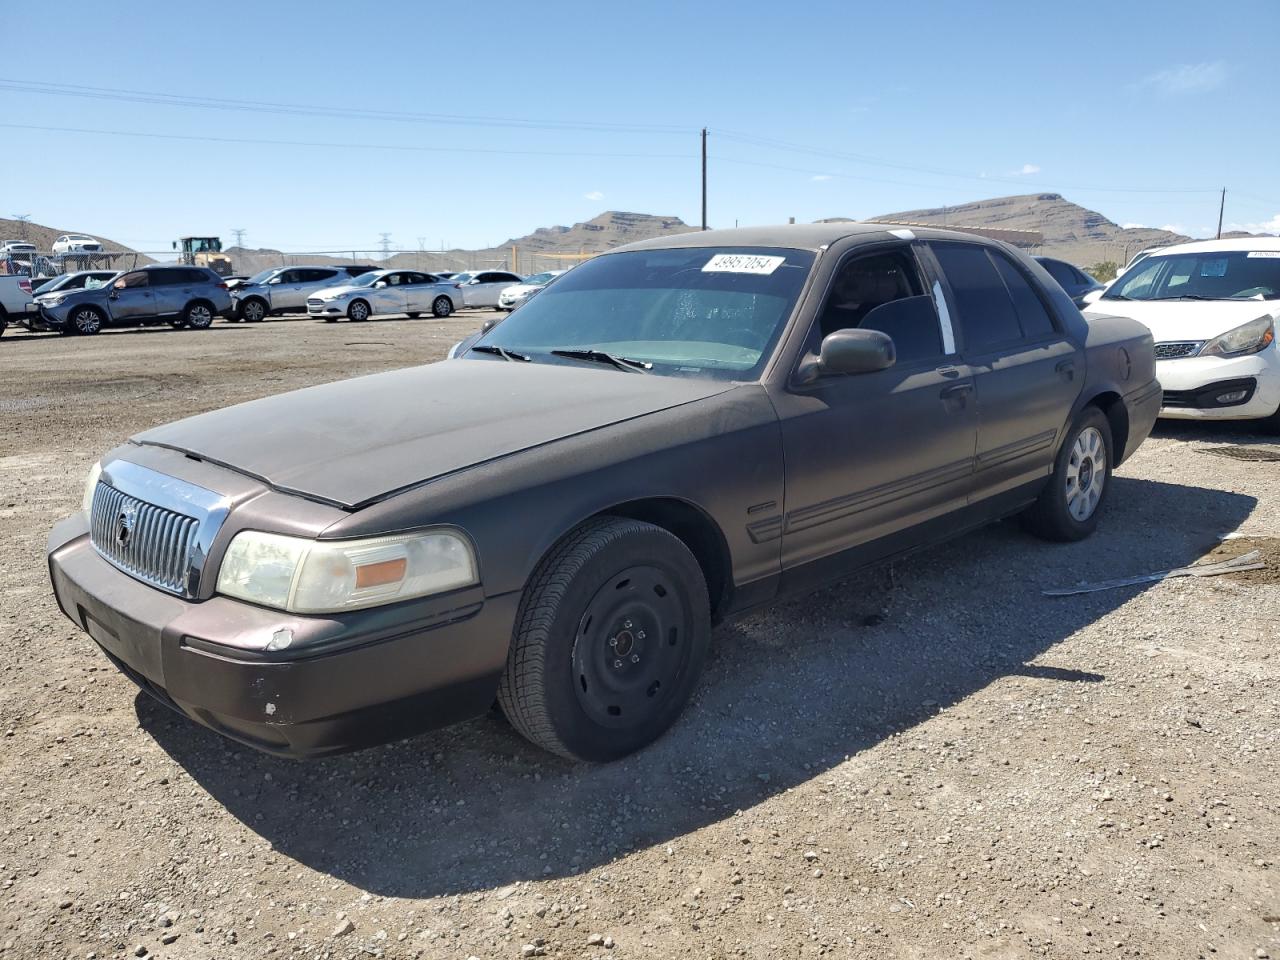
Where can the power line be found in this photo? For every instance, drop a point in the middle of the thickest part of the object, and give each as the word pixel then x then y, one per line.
pixel 352 146
pixel 314 110
pixel 23 219
pixel 239 235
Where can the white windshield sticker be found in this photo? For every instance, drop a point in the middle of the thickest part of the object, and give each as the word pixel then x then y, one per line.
pixel 743 263
pixel 1214 268
pixel 1264 254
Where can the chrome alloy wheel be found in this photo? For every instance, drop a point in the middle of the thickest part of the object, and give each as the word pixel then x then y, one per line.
pixel 1086 473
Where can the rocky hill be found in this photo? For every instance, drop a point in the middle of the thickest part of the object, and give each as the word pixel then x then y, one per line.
pixel 1071 232
pixel 43 238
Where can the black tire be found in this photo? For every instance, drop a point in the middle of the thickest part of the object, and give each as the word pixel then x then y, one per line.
pixel 253 310
pixel 441 307
pixel 358 311
pixel 4 321
pixel 84 321
pixel 1059 513
pixel 413 316
pixel 198 315
pixel 609 640
pixel 178 324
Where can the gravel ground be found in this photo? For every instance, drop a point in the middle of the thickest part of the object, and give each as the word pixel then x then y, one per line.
pixel 930 760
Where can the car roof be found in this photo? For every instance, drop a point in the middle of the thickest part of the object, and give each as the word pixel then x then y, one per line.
pixel 1227 245
pixel 797 236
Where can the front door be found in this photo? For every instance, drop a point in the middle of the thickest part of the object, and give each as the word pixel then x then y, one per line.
pixel 1026 371
pixel 387 295
pixel 132 298
pixel 873 454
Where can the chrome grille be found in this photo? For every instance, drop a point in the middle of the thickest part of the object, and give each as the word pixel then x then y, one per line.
pixel 1178 350
pixel 145 541
pixel 314 302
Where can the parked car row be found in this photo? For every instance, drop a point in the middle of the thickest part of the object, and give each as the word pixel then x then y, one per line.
pixel 180 296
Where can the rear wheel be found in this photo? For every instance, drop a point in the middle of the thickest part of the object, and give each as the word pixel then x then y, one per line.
pixel 198 315
pixel 359 310
pixel 609 641
pixel 1069 506
pixel 441 307
pixel 85 320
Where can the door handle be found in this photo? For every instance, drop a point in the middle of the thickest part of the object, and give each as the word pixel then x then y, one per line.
pixel 1067 368
pixel 954 390
pixel 949 371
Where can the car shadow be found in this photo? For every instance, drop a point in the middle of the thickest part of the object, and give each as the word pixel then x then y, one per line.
pixel 788 694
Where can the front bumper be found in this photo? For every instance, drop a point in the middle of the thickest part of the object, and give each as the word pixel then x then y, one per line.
pixel 1193 384
pixel 329 308
pixel 373 676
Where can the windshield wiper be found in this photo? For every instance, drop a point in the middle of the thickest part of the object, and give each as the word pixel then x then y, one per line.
pixel 502 352
pixel 1192 296
pixel 599 356
pixel 1115 296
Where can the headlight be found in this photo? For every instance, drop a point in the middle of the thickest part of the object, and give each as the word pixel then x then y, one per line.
pixel 52 301
pixel 1245 339
pixel 331 576
pixel 90 485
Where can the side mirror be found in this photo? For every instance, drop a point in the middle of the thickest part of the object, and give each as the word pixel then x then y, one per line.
pixel 1093 296
pixel 275 280
pixel 488 325
pixel 855 351
pixel 378 285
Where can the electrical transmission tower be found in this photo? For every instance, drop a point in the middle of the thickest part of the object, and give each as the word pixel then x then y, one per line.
pixel 23 219
pixel 386 245
pixel 239 233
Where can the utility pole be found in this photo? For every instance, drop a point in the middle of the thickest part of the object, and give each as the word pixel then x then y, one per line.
pixel 422 245
pixel 386 245
pixel 704 178
pixel 23 219
pixel 239 233
pixel 1221 207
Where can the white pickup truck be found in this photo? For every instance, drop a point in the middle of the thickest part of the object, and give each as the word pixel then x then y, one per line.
pixel 15 300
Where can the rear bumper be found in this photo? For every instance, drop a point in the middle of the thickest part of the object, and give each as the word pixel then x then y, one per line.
pixel 1142 407
pixel 377 676
pixel 1193 386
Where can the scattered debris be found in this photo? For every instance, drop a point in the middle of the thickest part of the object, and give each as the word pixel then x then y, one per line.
pixel 1249 561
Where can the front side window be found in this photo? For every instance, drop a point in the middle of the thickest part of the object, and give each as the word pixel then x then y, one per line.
pixel 987 314
pixel 883 291
pixel 1216 275
pixel 132 281
pixel 713 312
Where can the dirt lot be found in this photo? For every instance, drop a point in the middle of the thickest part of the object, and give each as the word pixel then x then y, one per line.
pixel 928 761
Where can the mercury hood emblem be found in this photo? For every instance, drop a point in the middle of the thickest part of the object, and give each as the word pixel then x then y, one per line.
pixel 124 524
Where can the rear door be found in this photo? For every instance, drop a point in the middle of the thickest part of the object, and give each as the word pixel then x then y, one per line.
pixel 1027 373
pixel 483 291
pixel 175 287
pixel 311 279
pixel 132 299
pixel 418 292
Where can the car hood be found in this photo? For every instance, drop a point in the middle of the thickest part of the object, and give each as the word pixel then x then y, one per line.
pixel 1177 320
pixel 338 290
pixel 521 289
pixel 356 441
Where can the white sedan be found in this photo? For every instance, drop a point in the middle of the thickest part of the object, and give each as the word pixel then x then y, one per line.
pixel 74 243
pixel 481 288
pixel 1212 307
pixel 382 292
pixel 515 295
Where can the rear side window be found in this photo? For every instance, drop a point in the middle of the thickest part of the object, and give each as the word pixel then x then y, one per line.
pixel 1032 314
pixel 987 314
pixel 1061 272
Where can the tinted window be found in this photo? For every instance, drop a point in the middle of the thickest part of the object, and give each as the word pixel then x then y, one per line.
pixel 987 316
pixel 1060 271
pixel 1031 311
pixel 133 280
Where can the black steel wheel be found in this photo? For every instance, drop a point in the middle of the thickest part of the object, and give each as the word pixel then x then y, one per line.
pixel 609 641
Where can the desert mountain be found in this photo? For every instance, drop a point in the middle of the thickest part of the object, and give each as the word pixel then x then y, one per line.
pixel 43 237
pixel 1071 232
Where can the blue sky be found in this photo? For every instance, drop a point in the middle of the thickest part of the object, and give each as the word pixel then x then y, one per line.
pixel 815 109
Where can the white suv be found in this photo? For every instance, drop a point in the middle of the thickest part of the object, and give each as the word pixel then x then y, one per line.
pixel 282 290
pixel 1212 307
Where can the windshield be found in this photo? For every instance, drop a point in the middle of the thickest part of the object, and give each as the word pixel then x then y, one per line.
pixel 263 276
pixel 697 312
pixel 366 279
pixel 461 277
pixel 1216 275
pixel 539 279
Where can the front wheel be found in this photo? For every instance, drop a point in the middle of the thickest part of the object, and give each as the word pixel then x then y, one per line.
pixel 253 311
pixel 609 641
pixel 441 307
pixel 1069 506
pixel 85 321
pixel 359 310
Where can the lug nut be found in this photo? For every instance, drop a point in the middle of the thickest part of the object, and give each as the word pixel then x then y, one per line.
pixel 640 635
pixel 617 664
pixel 635 658
pixel 613 641
pixel 627 624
